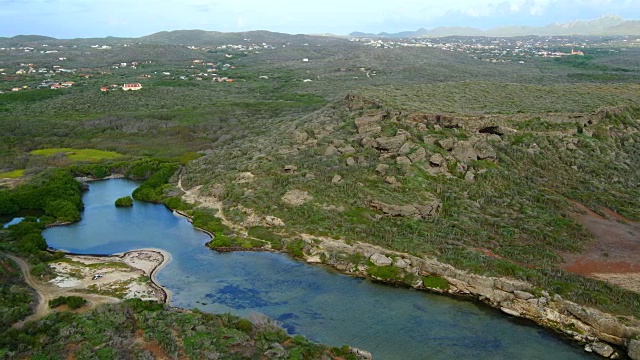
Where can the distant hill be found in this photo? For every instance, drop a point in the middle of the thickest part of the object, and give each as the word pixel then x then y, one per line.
pixel 182 37
pixel 605 25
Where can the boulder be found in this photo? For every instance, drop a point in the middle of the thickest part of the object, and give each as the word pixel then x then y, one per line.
pixel 634 349
pixel 369 124
pixel 469 176
pixel 403 160
pixel 337 180
pixel 464 151
pixel 396 210
pixel 393 143
pixel 437 160
pixel 429 210
pixel 296 197
pixel 602 349
pixel 523 295
pixel 484 150
pixel 380 260
pixel 347 150
pixel 331 151
pixel 245 177
pixel 418 156
pixel 382 168
pixel 447 144
pixel 273 221
pixel 350 161
pixel 405 148
pixel 290 169
pixel 300 136
pixel 391 180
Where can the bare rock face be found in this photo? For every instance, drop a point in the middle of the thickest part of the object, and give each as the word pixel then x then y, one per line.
pixel 416 211
pixel 296 197
pixel 369 125
pixel 418 156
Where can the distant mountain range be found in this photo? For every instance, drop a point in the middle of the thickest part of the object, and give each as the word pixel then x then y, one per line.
pixel 605 25
pixel 179 37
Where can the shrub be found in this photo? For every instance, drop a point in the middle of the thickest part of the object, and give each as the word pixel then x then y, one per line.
pixel 73 302
pixel 435 282
pixel 126 201
pixel 385 272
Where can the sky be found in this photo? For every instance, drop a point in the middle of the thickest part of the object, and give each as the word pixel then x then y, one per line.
pixel 133 18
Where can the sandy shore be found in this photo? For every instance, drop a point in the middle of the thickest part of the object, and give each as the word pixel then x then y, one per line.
pixel 119 275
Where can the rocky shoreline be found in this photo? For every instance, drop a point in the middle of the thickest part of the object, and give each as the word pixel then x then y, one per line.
pixel 602 333
pixel 607 335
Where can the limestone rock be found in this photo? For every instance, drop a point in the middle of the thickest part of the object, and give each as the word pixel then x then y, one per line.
pixel 602 349
pixel 300 136
pixel 296 197
pixel 396 210
pixel 447 144
pixel 347 150
pixel 429 210
pixel 418 156
pixel 391 180
pixel 421 127
pixel 403 160
pixel 382 168
pixel 273 221
pixel 245 177
pixel 437 160
pixel 469 176
pixel 350 161
pixel 380 260
pixel 393 143
pixel 337 180
pixel 523 295
pixel 369 124
pixel 634 349
pixel 405 148
pixel 290 169
pixel 510 311
pixel 484 150
pixel 464 151
pixel 331 151
pixel 400 263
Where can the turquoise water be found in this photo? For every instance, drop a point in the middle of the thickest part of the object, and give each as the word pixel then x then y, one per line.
pixel 314 301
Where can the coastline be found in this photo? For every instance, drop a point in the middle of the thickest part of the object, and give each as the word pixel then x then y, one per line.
pixel 148 261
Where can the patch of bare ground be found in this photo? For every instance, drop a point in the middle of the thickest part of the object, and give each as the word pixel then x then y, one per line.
pixel 614 254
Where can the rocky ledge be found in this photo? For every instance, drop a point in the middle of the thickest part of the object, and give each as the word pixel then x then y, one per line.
pixel 601 333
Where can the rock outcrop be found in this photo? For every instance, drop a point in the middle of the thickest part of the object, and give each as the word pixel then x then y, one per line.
pixel 416 211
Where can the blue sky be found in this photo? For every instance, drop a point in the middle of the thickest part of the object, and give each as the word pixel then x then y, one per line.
pixel 99 18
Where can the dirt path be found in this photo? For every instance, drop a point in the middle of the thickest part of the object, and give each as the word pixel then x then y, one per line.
pixel 44 295
pixel 614 255
pixel 47 292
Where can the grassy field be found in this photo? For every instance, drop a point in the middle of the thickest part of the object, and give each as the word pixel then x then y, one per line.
pixel 78 154
pixel 12 174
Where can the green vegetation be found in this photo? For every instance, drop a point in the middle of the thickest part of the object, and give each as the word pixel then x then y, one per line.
pixel 12 174
pixel 78 154
pixel 15 295
pixel 129 329
pixel 73 302
pixel 435 282
pixel 391 273
pixel 126 201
